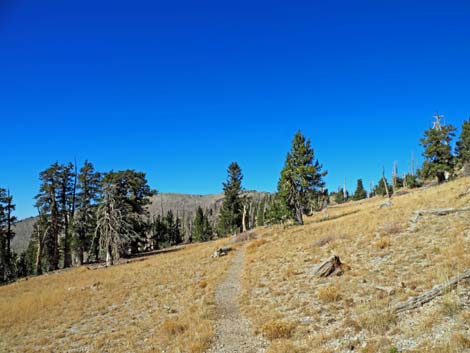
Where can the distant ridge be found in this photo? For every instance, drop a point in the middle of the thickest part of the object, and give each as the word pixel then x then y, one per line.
pixel 183 205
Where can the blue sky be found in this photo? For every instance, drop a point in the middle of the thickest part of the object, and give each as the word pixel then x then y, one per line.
pixel 180 89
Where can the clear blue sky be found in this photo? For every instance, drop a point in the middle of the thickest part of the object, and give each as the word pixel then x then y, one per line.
pixel 180 89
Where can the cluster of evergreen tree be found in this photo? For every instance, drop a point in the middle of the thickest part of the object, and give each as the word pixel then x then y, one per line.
pixel 239 212
pixel 300 187
pixel 202 229
pixel 86 216
pixel 165 231
pixel 440 159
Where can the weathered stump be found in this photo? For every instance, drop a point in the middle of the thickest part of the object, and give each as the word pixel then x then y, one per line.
pixel 330 267
pixel 219 252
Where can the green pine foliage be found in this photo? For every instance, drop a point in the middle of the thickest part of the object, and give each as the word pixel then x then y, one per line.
pixel 7 221
pixel 360 192
pixel 338 196
pixel 412 181
pixel 301 178
pixel 231 213
pixel 260 212
pixel 89 190
pixel 380 189
pixel 202 227
pixel 463 144
pixel 438 152
pixel 276 210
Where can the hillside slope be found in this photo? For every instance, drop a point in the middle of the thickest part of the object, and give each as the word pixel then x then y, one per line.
pixel 390 260
pixel 167 303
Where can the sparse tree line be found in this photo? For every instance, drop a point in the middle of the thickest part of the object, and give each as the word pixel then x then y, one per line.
pixel 87 216
pixel 441 163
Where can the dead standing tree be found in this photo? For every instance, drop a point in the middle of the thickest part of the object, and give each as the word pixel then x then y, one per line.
pixel 385 182
pixel 113 228
pixel 394 177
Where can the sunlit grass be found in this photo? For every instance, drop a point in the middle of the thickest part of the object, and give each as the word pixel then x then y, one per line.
pixel 161 302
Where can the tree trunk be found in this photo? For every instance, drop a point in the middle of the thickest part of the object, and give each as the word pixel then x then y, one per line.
pixel 298 215
pixel 109 256
pixel 441 177
pixel 244 219
pixel 40 251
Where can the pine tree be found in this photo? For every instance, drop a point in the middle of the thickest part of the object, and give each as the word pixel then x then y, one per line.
pixel 360 192
pixel 66 200
pixel 380 189
pixel 339 196
pixel 49 212
pixel 85 219
pixel 412 181
pixel 301 178
pixel 202 228
pixel 438 152
pixel 157 232
pixel 7 221
pixel 230 218
pixel 260 214
pixel 276 210
pixel 133 193
pixel 463 144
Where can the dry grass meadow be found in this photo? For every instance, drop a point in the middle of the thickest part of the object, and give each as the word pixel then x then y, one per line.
pixel 165 302
pixel 301 313
pixel 160 303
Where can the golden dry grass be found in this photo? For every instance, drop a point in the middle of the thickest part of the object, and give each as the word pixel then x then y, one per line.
pixel 164 302
pixel 331 314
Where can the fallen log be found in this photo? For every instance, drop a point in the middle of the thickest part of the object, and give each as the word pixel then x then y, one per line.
pixel 332 266
pixel 219 252
pixel 436 291
pixel 437 212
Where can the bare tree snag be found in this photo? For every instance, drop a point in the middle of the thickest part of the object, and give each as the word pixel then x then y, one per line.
pixel 244 219
pixel 330 267
pixel 436 291
pixel 394 177
pixel 385 182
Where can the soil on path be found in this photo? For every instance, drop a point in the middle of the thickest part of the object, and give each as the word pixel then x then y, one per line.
pixel 233 331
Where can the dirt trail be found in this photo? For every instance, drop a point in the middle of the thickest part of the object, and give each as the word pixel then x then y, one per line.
pixel 233 331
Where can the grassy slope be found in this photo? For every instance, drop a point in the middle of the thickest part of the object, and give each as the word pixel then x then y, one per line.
pixel 156 303
pixel 285 301
pixel 166 302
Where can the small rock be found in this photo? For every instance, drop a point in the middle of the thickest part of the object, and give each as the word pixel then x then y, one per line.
pixel 387 203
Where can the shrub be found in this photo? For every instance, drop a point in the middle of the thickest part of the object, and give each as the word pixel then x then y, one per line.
pixel 276 329
pixel 329 294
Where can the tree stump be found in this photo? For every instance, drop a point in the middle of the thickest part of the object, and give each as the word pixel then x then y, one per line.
pixel 221 252
pixel 330 267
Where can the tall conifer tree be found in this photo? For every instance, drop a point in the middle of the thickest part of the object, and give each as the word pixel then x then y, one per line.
pixel 438 152
pixel 360 192
pixel 301 178
pixel 230 218
pixel 463 144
